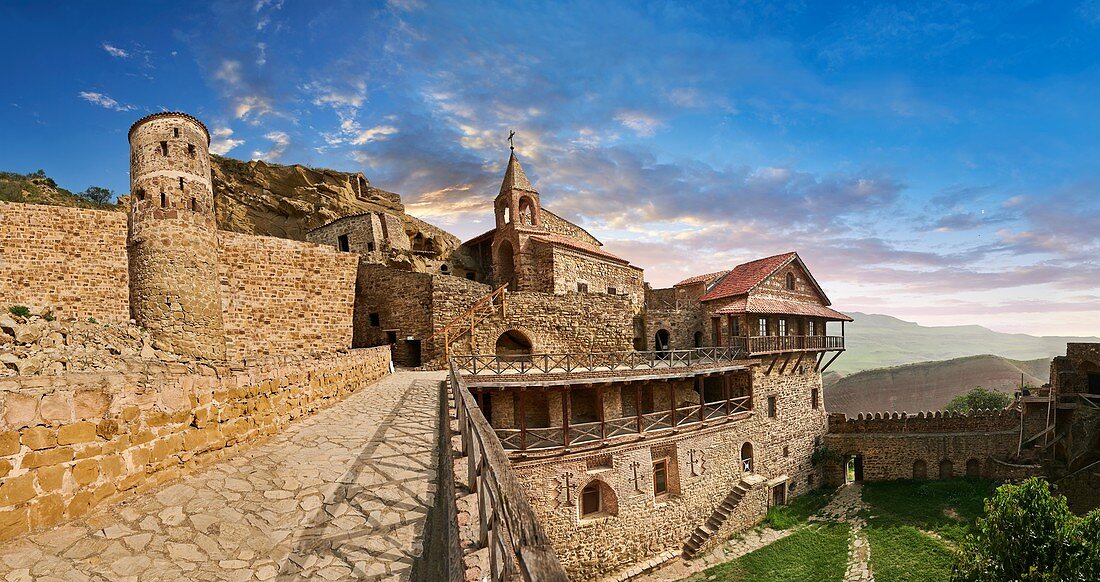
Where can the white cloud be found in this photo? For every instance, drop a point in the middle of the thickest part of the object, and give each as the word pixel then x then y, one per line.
pixel 377 133
pixel 261 58
pixel 279 142
pixel 642 124
pixel 222 141
pixel 351 97
pixel 104 101
pixel 116 52
pixel 229 72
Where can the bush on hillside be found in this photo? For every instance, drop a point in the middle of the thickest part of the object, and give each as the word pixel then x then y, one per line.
pixel 978 399
pixel 97 195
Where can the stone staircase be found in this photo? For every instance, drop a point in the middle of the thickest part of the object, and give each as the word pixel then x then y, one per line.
pixel 718 517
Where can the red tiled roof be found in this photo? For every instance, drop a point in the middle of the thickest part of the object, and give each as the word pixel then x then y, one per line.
pixel 708 278
pixel 757 304
pixel 746 276
pixel 557 239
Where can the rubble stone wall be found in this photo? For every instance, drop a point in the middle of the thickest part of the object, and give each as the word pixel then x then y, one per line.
pixel 70 442
pixel 570 267
pixel 70 260
pixel 706 465
pixel 282 297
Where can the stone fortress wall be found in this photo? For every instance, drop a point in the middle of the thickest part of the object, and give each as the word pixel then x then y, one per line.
pixel 931 445
pixel 70 260
pixel 70 442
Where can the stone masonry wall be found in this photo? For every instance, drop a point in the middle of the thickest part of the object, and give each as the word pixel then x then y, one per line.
pixel 282 297
pixel 402 302
pixel 892 444
pixel 643 526
pixel 70 260
pixel 364 232
pixel 71 442
pixel 570 267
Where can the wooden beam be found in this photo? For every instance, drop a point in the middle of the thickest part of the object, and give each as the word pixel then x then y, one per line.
pixel 638 405
pixel 800 356
pixel 603 420
pixel 774 360
pixel 672 402
pixel 522 420
pixel 565 410
pixel 835 356
pixel 786 361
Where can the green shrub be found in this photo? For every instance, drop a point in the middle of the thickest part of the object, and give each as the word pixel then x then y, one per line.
pixel 979 399
pixel 49 316
pixel 92 320
pixel 20 310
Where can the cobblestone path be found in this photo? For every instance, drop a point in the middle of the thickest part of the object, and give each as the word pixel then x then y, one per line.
pixel 845 507
pixel 343 494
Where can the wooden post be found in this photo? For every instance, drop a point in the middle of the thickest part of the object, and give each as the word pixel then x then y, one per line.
pixel 565 409
pixel 726 381
pixel 672 402
pixel 603 420
pixel 638 406
pixel 522 420
pixel 702 398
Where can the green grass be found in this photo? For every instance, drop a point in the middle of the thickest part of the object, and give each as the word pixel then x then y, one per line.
pixel 902 553
pixel 798 510
pixel 948 508
pixel 817 553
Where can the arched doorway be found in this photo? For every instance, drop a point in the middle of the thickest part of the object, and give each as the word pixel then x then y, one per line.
pixel 513 346
pixel 698 339
pixel 973 468
pixel 920 470
pixel 660 342
pixel 947 470
pixel 746 457
pixel 598 499
pixel 506 265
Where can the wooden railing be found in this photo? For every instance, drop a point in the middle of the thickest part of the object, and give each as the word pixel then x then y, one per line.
pixel 695 416
pixel 465 323
pixel 593 362
pixel 518 547
pixel 771 344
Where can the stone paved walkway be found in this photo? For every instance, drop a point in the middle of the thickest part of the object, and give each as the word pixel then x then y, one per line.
pixel 845 507
pixel 343 494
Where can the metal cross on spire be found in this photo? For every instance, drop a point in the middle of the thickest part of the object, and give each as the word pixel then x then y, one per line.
pixel 511 144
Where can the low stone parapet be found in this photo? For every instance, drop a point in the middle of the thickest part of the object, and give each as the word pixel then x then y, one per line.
pixel 68 443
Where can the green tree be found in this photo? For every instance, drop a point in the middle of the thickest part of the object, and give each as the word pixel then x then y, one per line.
pixel 97 194
pixel 977 399
pixel 1029 534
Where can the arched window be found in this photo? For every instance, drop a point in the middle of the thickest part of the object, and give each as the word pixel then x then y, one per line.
pixel 790 281
pixel 920 470
pixel 746 457
pixel 597 499
pixel 526 211
pixel 947 470
pixel 973 468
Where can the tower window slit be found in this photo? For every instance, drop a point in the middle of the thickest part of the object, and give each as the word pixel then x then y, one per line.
pixel 194 205
pixel 163 200
pixel 175 132
pixel 181 183
pixel 164 148
pixel 191 149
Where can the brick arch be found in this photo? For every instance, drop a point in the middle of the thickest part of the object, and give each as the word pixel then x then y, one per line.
pixel 487 338
pixel 609 501
pixel 747 452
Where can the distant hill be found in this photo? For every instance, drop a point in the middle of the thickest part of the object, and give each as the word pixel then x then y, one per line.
pixel 880 341
pixel 929 385
pixel 38 188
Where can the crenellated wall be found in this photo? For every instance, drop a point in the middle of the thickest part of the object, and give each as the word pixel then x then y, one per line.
pixel 68 443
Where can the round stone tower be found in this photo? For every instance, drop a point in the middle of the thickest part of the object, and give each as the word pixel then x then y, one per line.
pixel 173 244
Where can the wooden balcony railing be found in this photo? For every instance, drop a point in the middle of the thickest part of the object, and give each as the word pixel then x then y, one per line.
pixel 593 362
pixel 518 547
pixel 693 416
pixel 775 344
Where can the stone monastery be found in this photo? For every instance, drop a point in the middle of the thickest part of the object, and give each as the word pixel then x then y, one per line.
pixel 589 426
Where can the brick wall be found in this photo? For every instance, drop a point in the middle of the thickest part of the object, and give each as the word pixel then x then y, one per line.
pixel 570 267
pixel 68 259
pixel 69 443
pixel 284 297
pixel 364 232
pixel 643 526
pixel 551 222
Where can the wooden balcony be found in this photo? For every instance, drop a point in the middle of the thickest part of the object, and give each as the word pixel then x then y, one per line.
pixel 781 344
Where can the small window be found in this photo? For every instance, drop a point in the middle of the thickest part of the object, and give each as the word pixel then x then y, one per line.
pixel 164 148
pixel 582 287
pixel 444 269
pixel 782 327
pixel 194 205
pixel 391 337
pixel 736 329
pixel 810 327
pixel 175 132
pixel 814 399
pixel 771 407
pixel 660 477
pixel 591 503
pixel 374 320
pixel 786 451
pixel 141 194
pixel 181 183
pixel 343 243
pixel 191 149
pixel 762 326
pixel 370 247
pixel 163 200
pixel 470 276
pixel 611 291
pixel 790 281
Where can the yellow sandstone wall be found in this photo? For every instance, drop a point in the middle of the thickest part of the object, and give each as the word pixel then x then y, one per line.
pixel 71 260
pixel 70 442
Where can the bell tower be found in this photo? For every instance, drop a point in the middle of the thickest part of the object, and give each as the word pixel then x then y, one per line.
pixel 518 216
pixel 172 240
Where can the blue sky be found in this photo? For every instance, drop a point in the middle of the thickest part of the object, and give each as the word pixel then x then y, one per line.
pixel 932 161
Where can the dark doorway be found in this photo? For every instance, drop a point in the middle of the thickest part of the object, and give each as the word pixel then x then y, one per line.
pixel 746 457
pixel 1094 382
pixel 853 469
pixel 973 468
pixel 947 470
pixel 487 406
pixel 698 339
pixel 513 346
pixel 414 359
pixel 779 494
pixel 920 470
pixel 660 342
